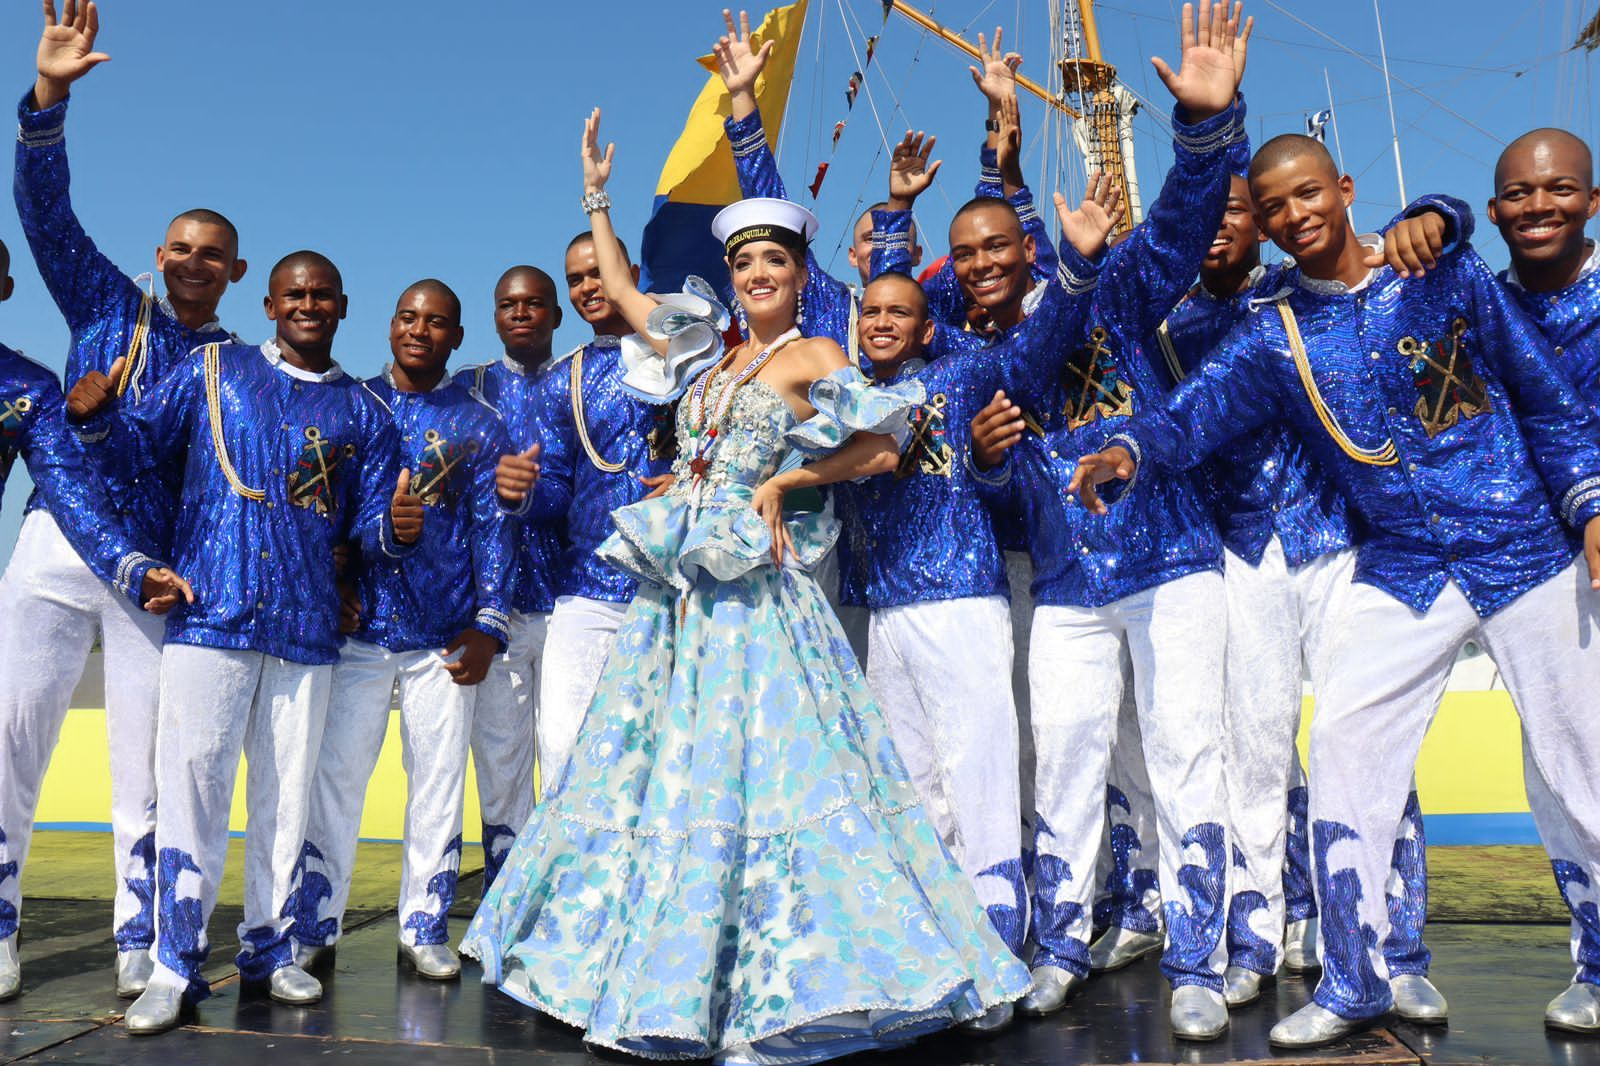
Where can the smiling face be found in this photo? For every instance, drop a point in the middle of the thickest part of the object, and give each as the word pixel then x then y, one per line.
pixel 1301 205
pixel 425 329
pixel 992 259
pixel 1544 196
pixel 197 261
pixel 1237 243
pixel 526 313
pixel 767 279
pixel 892 325
pixel 588 296
pixel 306 299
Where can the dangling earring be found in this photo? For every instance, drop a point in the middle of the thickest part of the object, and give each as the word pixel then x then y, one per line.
pixel 738 313
pixel 800 308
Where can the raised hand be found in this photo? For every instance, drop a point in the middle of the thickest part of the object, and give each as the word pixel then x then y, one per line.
pixel 516 475
pixel 659 485
pixel 596 164
pixel 909 171
pixel 1212 67
pixel 997 78
pixel 162 590
pixel 478 650
pixel 1089 227
pixel 1412 246
pixel 1008 145
pixel 405 511
pixel 996 430
pixel 739 63
pixel 1097 469
pixel 66 49
pixel 95 392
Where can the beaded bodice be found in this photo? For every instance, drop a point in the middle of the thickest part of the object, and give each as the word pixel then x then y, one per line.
pixel 750 444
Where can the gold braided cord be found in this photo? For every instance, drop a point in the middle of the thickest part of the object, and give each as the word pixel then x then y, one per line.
pixel 213 371
pixel 138 345
pixel 1384 456
pixel 575 382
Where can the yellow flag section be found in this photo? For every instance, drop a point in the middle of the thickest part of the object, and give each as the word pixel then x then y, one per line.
pixel 1469 777
pixel 699 179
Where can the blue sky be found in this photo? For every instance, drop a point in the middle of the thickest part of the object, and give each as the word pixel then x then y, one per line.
pixel 414 138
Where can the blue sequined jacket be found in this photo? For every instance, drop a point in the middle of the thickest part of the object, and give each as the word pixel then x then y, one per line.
pixel 277 466
pixel 523 402
pixel 1163 530
pixel 601 442
pixel 462 571
pixel 1435 406
pixel 33 425
pixel 1570 321
pixel 103 307
pixel 923 533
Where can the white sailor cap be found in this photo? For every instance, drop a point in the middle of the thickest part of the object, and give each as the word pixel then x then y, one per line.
pixel 764 218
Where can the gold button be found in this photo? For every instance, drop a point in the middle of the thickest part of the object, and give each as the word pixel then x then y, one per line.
pixel 266 555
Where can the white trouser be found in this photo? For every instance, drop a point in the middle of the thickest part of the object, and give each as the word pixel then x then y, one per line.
pixel 1129 892
pixel 1385 681
pixel 1578 889
pixel 435 724
pixel 53 606
pixel 215 704
pixel 578 640
pixel 1175 634
pixel 1278 616
pixel 939 670
pixel 502 739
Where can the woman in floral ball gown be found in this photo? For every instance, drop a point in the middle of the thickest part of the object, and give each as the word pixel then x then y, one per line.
pixel 734 863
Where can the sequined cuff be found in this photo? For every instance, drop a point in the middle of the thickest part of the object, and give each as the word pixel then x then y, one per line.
pixel 40 129
pixel 997 476
pixel 1581 503
pixel 1214 134
pixel 387 543
pixel 94 430
pixel 1077 274
pixel 746 136
pixel 1114 490
pixel 988 172
pixel 1022 202
pixel 495 623
pixel 129 578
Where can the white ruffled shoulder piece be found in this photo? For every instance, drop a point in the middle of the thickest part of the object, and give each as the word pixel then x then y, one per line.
pixel 692 323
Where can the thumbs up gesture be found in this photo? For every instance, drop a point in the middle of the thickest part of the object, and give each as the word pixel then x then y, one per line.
pixel 95 392
pixel 516 475
pixel 405 511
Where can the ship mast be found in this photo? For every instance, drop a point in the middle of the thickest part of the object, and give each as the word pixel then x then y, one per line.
pixel 1105 131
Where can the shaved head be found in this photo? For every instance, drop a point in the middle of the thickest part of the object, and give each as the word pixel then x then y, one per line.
pixel 207 217
pixel 305 257
pixel 438 288
pixel 587 237
pixel 1569 147
pixel 1290 148
pixel 529 273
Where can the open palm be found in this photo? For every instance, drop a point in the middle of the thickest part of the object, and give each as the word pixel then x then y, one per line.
pixel 1213 61
pixel 66 48
pixel 1089 226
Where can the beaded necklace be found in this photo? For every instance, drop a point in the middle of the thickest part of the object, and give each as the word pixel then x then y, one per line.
pixel 704 425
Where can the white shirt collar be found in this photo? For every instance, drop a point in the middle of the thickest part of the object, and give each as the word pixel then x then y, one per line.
pixel 444 382
pixel 1335 287
pixel 1590 265
pixel 273 355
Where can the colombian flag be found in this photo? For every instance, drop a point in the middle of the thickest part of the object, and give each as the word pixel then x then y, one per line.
pixel 699 179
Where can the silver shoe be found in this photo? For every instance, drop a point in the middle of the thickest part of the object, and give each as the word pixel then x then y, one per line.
pixel 1118 947
pixel 1240 986
pixel 990 1021
pixel 1577 1010
pixel 10 969
pixel 1198 1013
pixel 133 972
pixel 1312 1026
pixel 160 1008
pixel 436 962
pixel 1051 987
pixel 314 956
pixel 1416 1000
pixel 292 985
pixel 1300 946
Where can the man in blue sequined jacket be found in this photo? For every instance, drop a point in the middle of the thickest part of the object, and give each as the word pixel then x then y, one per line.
pixel 1473 470
pixel 279 456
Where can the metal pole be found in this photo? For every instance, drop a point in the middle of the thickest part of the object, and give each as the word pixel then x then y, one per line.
pixel 1388 91
pixel 1333 117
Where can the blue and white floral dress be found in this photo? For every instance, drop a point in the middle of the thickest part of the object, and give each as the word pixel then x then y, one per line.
pixel 734 863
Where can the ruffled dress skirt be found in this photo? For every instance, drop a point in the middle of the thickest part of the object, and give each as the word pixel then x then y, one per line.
pixel 734 863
